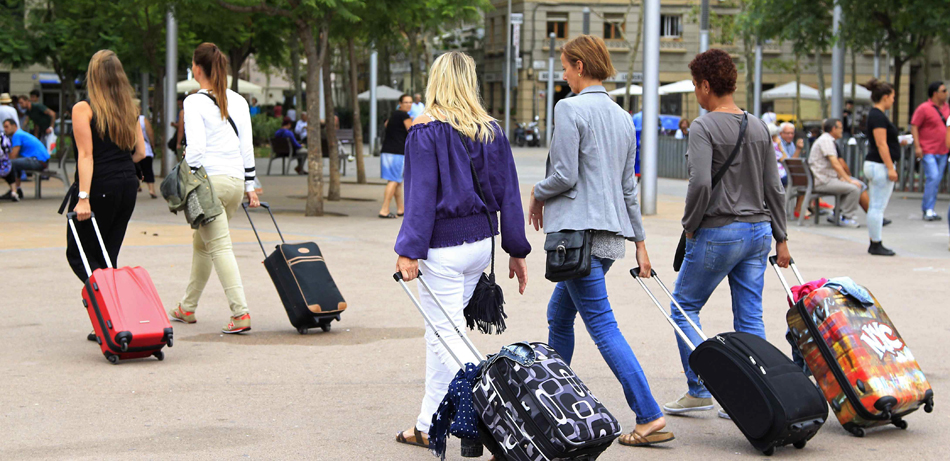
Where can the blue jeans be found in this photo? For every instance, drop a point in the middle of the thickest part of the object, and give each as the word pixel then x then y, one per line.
pixel 587 296
pixel 737 250
pixel 879 192
pixel 934 166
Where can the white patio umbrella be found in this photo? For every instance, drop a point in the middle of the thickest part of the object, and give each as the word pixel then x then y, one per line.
pixel 787 91
pixel 383 93
pixel 863 94
pixel 682 86
pixel 244 87
pixel 635 90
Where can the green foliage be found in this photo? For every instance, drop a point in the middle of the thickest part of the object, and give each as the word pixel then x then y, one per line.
pixel 263 127
pixel 15 48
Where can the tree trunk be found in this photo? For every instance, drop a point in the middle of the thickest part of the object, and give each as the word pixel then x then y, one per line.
pixel 798 91
pixel 946 62
pixel 235 70
pixel 295 72
pixel 820 68
pixel 634 50
pixel 357 122
pixel 415 73
pixel 749 47
pixel 385 71
pixel 895 110
pixel 159 120
pixel 314 53
pixel 854 86
pixel 333 152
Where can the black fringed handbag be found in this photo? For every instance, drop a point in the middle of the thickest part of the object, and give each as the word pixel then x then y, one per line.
pixel 486 308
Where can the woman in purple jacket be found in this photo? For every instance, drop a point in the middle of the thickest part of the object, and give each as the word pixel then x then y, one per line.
pixel 445 230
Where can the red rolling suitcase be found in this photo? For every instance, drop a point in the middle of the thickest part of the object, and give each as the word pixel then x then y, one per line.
pixel 865 370
pixel 124 307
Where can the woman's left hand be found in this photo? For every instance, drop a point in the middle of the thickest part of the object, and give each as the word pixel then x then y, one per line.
pixel 643 260
pixel 535 212
pixel 252 199
pixel 783 256
pixel 518 267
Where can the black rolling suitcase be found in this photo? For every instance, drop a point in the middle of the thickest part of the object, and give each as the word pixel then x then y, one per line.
pixel 530 403
pixel 303 281
pixel 767 396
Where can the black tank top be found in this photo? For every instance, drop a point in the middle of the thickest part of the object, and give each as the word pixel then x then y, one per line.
pixel 111 163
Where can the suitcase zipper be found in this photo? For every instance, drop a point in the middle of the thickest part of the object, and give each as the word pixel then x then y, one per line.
pixel 834 366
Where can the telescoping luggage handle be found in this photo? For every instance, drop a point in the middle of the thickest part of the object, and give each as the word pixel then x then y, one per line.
pixel 71 218
pixel 398 277
pixel 773 260
pixel 259 242
pixel 635 272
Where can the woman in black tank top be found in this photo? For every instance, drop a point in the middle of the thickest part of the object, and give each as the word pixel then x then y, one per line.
pixel 108 143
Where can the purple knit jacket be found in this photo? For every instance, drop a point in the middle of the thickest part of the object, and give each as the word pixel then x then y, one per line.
pixel 443 208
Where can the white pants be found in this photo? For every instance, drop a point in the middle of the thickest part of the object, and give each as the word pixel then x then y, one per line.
pixel 452 273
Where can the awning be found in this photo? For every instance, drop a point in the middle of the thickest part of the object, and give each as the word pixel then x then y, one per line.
pixel 863 94
pixel 787 91
pixel 682 86
pixel 244 87
pixel 383 93
pixel 635 90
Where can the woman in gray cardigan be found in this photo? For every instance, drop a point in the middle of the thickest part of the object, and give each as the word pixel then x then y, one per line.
pixel 590 185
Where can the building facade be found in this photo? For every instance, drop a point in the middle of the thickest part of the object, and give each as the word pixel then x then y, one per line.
pixel 616 22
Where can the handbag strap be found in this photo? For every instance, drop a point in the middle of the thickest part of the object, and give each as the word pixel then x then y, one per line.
pixel 481 195
pixel 944 119
pixel 735 151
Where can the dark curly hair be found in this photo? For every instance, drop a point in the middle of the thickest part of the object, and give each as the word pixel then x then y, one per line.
pixel 716 67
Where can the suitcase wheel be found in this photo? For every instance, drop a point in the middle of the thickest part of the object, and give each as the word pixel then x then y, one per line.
pixel 900 423
pixel 112 358
pixel 800 444
pixel 159 355
pixel 769 451
pixel 302 330
pixel 325 327
pixel 857 431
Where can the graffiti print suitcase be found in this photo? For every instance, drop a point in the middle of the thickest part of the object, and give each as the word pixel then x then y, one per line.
pixel 766 395
pixel 126 312
pixel 865 370
pixel 531 404
pixel 303 281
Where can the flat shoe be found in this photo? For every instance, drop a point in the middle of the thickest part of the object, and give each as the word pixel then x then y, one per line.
pixel 387 216
pixel 633 439
pixel 416 439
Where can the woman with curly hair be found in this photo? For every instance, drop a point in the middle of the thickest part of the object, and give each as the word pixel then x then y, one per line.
pixel 729 227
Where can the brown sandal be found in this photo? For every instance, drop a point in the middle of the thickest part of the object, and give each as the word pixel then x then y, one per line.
pixel 416 438
pixel 634 439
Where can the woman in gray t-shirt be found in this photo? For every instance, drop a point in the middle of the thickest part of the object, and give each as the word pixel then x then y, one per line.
pixel 729 228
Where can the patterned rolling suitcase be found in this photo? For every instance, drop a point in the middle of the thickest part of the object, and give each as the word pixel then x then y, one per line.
pixel 123 305
pixel 767 396
pixel 304 284
pixel 532 406
pixel 865 370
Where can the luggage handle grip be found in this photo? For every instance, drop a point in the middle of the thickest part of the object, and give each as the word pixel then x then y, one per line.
pixel 635 272
pixel 271 213
pixel 468 342
pixel 71 218
pixel 773 260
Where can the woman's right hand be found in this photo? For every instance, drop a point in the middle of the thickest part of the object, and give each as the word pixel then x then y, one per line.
pixel 892 174
pixel 535 212
pixel 83 211
pixel 518 267
pixel 409 268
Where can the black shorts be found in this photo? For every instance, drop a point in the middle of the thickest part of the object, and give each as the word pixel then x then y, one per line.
pixel 148 173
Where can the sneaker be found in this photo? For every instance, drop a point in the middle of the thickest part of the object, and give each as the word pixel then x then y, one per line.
pixel 930 215
pixel 19 192
pixel 238 324
pixel 688 403
pixel 15 197
pixel 848 222
pixel 724 415
pixel 180 315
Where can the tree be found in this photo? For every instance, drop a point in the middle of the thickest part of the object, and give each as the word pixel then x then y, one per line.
pixel 15 46
pixel 633 43
pixel 903 28
pixel 311 19
pixel 357 121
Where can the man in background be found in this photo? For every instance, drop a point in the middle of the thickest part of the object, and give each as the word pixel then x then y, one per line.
pixel 26 153
pixel 41 116
pixel 418 108
pixel 787 134
pixel 7 111
pixel 929 128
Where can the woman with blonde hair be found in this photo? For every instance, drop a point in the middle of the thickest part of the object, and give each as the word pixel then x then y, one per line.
pixel 445 231
pixel 590 186
pixel 108 144
pixel 218 134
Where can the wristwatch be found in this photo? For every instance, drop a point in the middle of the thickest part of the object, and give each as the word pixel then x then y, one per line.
pixel 83 195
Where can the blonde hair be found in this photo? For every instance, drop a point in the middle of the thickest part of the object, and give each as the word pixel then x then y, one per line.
pixel 110 96
pixel 452 96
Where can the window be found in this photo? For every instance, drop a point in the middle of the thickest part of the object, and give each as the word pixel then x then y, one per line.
pixel 557 23
pixel 614 26
pixel 491 33
pixel 670 26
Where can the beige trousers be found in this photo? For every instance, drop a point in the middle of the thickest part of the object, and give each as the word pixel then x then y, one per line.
pixel 212 248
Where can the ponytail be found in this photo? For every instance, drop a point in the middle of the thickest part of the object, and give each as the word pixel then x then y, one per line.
pixel 878 89
pixel 215 65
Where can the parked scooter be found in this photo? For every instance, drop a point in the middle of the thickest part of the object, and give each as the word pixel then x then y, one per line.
pixel 532 133
pixel 520 136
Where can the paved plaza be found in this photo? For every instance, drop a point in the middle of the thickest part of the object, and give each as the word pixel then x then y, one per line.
pixel 275 394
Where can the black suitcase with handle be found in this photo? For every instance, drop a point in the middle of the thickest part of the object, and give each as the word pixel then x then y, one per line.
pixel 765 394
pixel 303 281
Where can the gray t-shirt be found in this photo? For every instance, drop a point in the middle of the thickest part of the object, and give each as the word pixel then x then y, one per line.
pixel 750 191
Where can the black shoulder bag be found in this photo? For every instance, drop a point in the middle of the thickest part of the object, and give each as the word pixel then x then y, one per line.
pixel 486 308
pixel 681 248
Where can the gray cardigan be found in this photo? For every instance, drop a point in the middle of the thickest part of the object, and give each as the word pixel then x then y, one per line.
pixel 590 181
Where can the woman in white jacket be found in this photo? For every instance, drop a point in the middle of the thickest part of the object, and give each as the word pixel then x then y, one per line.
pixel 218 133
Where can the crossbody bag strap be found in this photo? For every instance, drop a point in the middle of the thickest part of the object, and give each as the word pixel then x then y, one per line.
pixel 944 119
pixel 481 195
pixel 230 120
pixel 735 151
